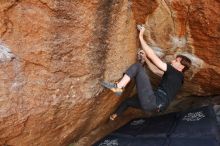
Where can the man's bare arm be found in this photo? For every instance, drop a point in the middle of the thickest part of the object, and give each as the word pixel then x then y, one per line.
pixel 150 53
pixel 151 66
pixel 154 69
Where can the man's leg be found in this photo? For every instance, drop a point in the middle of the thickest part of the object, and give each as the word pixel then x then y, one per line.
pixel 146 99
pixel 130 73
pixel 130 102
pixel 117 88
pixel 124 81
pixel 144 89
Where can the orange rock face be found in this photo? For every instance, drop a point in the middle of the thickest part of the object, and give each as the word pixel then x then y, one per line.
pixel 54 53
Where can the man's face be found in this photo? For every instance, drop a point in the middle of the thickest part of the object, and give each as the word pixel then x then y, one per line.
pixel 176 63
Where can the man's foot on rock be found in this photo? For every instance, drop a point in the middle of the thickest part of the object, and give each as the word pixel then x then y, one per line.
pixel 113 116
pixel 113 87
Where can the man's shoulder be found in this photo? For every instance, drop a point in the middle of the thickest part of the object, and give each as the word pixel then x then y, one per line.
pixel 169 67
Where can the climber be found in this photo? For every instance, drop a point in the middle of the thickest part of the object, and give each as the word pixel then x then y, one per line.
pixel 148 99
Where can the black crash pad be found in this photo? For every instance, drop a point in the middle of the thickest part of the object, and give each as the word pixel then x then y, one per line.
pixel 196 123
pixel 132 128
pixel 129 141
pixel 159 126
pixel 207 141
pixel 196 127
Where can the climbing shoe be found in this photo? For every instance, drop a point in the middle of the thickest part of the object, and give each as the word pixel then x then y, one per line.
pixel 113 87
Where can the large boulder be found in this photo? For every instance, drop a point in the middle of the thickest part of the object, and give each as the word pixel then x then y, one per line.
pixel 54 53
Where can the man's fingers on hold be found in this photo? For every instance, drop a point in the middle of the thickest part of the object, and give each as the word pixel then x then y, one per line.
pixel 142 52
pixel 142 55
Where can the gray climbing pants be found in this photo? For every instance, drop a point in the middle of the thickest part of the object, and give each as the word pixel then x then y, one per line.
pixel 145 98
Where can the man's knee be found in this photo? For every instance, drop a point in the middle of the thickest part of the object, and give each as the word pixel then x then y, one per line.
pixel 139 65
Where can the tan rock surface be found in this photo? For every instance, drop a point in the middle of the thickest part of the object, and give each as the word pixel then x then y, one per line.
pixel 61 50
pixel 54 53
